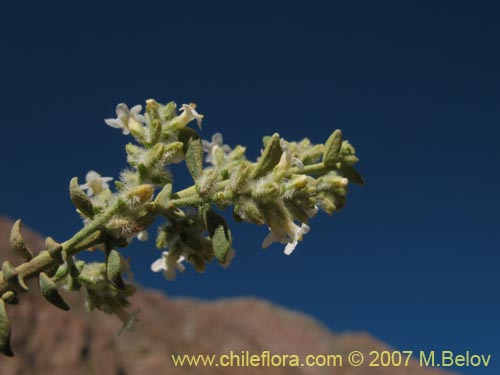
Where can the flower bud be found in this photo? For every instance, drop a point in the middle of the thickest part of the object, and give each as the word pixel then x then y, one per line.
pixel 167 112
pixel 122 227
pixel 327 204
pixel 155 131
pixel 140 194
pixel 114 269
pixel 80 200
pixel 174 153
pixel 152 108
pixel 207 183
pixel 269 158
pixel 154 155
pixel 299 182
pixel 247 210
pixel 331 154
pixel 162 239
pixel 137 129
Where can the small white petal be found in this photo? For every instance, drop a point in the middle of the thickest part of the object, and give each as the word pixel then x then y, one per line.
pixel 114 123
pixel 140 118
pixel 92 175
pixel 217 139
pixel 122 110
pixel 206 145
pixel 290 247
pixel 159 265
pixel 136 109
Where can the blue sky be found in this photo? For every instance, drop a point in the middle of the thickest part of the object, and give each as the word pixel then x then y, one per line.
pixel 413 259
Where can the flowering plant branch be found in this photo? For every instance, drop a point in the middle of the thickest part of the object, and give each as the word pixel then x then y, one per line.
pixel 283 189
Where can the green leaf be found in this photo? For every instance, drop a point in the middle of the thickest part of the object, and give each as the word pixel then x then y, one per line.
pixel 331 154
pixel 155 131
pixel 17 242
pixel 269 158
pixel 80 200
pixel 219 233
pixel 5 331
pixel 352 174
pixel 193 151
pixel 49 290
pixel 142 172
pixel 114 269
pixel 247 210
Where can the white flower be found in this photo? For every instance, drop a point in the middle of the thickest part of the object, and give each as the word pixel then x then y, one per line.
pixel 290 235
pixel 211 147
pixel 168 265
pixel 125 117
pixel 283 229
pixel 188 113
pixel 95 183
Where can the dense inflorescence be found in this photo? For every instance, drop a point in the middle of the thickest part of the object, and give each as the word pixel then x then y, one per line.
pixel 287 186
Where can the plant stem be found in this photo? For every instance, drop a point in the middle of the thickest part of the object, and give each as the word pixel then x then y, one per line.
pixel 87 237
pixel 93 233
pixel 318 168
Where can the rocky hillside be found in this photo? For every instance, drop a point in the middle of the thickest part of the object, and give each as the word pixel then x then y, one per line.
pixel 48 341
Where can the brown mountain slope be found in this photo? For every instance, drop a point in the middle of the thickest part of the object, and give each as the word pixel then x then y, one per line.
pixel 49 341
